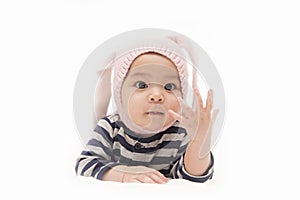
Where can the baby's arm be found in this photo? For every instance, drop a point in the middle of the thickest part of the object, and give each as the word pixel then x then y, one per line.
pixel 197 158
pixel 96 160
pixel 194 165
pixel 90 164
pixel 179 167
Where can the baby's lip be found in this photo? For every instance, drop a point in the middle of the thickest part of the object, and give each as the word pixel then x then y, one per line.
pixel 155 113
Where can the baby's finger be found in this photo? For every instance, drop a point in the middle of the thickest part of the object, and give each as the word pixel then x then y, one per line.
pixel 199 98
pixel 209 101
pixel 157 179
pixel 175 115
pixel 161 176
pixel 134 181
pixel 145 179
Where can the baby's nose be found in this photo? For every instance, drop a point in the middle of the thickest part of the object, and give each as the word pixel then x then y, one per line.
pixel 156 97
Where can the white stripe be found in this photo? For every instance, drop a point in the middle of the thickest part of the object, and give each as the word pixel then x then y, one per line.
pixel 90 170
pixel 193 176
pixel 82 164
pixel 102 168
pixel 104 124
pixel 113 118
pixel 180 163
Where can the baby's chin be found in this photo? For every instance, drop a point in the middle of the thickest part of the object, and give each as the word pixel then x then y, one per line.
pixel 157 125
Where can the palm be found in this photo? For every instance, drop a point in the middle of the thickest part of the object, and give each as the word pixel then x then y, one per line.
pixel 197 121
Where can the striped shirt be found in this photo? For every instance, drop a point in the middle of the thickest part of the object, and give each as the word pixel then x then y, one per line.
pixel 114 144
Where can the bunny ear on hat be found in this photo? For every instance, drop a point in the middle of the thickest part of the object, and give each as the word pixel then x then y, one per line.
pixel 191 55
pixel 102 94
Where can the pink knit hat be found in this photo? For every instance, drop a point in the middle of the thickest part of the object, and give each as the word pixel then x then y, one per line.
pixel 166 47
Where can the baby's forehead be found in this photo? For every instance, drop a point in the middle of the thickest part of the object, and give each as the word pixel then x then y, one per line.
pixel 153 71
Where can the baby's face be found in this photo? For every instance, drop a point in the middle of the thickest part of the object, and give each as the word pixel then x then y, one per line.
pixel 150 89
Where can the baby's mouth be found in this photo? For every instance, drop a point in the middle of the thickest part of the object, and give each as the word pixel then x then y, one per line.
pixel 155 113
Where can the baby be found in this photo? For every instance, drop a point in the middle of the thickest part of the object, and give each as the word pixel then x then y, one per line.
pixel 154 135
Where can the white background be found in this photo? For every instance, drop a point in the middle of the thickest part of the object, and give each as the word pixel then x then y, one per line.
pixel 255 46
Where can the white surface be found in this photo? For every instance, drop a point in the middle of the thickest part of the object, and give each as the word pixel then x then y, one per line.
pixel 254 45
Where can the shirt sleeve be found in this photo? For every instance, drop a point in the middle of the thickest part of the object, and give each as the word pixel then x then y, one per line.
pixel 96 158
pixel 178 171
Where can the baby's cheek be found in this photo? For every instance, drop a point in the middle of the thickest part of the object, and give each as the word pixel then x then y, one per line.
pixel 135 108
pixel 131 105
pixel 173 103
pixel 135 101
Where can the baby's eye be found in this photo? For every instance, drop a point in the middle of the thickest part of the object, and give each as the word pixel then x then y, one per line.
pixel 141 85
pixel 170 86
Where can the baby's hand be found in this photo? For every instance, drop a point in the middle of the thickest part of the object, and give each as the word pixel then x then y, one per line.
pixel 198 122
pixel 141 174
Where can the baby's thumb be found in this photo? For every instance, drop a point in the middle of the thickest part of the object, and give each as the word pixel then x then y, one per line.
pixel 175 115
